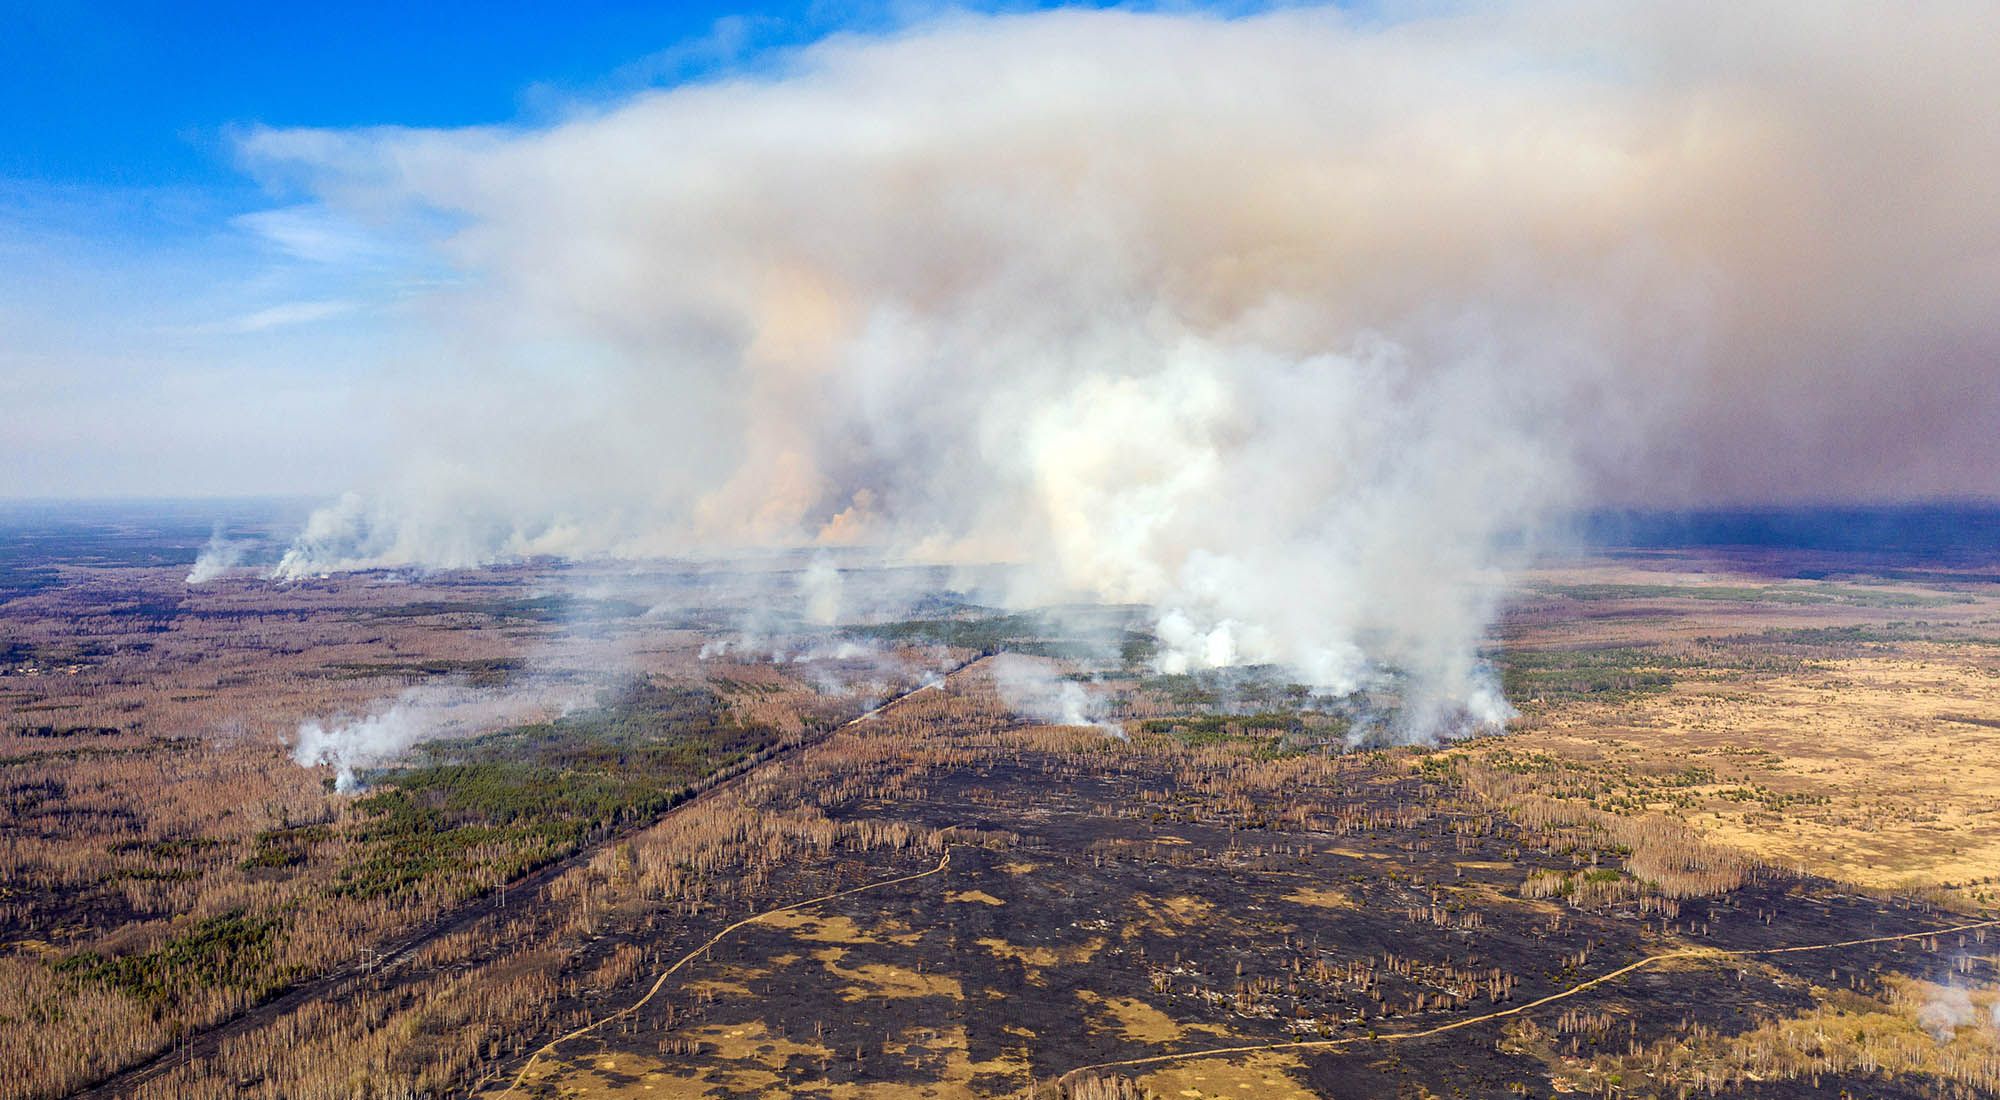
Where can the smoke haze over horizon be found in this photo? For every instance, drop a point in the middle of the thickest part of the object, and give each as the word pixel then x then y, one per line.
pixel 1298 327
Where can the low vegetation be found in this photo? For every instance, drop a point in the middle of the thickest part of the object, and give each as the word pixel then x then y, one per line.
pixel 1233 872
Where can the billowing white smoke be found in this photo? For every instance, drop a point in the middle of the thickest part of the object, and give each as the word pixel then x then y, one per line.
pixel 1948 1007
pixel 349 744
pixel 218 557
pixel 1032 689
pixel 1336 515
pixel 1290 327
pixel 1945 1010
pixel 820 586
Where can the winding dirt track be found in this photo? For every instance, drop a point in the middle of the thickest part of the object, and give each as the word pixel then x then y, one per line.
pixel 669 972
pixel 1066 1080
pixel 347 979
pixel 1704 953
pixel 344 979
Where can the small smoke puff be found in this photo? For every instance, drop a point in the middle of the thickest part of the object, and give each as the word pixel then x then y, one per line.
pixel 843 650
pixel 1479 706
pixel 349 745
pixel 218 557
pixel 1032 689
pixel 1947 1009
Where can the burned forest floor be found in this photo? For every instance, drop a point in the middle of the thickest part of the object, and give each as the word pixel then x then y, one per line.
pixel 1246 928
pixel 1743 839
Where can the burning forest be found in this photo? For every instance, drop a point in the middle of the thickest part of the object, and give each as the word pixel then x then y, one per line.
pixel 1051 552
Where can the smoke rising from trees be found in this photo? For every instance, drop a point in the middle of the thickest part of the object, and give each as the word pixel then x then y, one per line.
pixel 1296 328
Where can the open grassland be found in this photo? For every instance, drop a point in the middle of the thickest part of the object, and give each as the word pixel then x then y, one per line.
pixel 1858 740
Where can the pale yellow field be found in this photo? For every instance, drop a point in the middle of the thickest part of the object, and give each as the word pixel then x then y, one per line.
pixel 1874 764
pixel 1267 1076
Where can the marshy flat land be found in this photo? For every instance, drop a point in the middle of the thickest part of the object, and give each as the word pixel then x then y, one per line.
pixel 1743 840
pixel 1845 727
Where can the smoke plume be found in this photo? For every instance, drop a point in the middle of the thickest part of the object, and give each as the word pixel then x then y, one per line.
pixel 1032 689
pixel 350 744
pixel 1946 1009
pixel 217 558
pixel 1295 328
pixel 820 586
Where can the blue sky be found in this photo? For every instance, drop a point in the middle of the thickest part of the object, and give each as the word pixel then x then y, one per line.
pixel 169 326
pixel 144 94
pixel 151 286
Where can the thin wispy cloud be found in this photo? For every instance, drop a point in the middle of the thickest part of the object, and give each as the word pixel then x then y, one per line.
pixel 313 234
pixel 282 315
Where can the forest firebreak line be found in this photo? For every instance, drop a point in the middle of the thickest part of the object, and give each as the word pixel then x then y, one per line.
pixel 1067 1078
pixel 661 981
